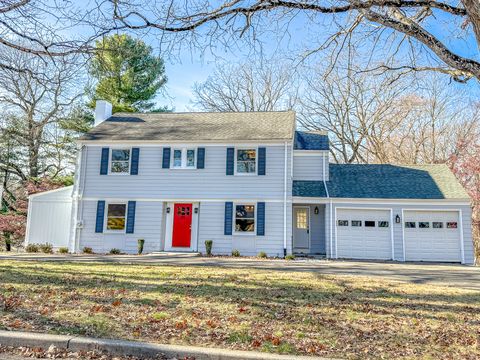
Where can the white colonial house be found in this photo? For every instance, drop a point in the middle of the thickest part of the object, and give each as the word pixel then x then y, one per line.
pixel 248 181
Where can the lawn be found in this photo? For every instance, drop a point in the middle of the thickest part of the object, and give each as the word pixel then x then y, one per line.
pixel 282 312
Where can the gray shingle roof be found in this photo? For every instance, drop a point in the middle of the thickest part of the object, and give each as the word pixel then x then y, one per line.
pixel 386 182
pixel 309 140
pixel 278 125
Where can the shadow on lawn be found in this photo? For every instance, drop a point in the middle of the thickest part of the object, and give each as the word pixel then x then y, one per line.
pixel 335 305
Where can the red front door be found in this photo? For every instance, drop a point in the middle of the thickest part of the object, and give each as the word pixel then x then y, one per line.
pixel 182 225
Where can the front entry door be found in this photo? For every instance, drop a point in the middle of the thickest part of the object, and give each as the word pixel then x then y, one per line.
pixel 301 229
pixel 182 225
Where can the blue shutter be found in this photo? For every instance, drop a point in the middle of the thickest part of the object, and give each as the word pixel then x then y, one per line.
pixel 104 161
pixel 230 162
pixel 200 158
pixel 262 161
pixel 228 218
pixel 261 218
pixel 166 158
pixel 100 215
pixel 131 217
pixel 134 164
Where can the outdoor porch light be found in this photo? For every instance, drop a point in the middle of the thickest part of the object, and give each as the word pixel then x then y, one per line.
pixel 196 210
pixel 316 210
pixel 168 210
pixel 397 219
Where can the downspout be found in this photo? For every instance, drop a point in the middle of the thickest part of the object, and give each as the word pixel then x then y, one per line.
pixel 285 189
pixel 330 202
pixel 79 196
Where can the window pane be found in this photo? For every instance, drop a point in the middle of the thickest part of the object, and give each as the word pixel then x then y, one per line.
pixel 116 209
pixel 451 225
pixel 190 158
pixel 342 222
pixel 410 224
pixel 119 167
pixel 244 225
pixel 423 225
pixel 120 154
pixel 177 158
pixel 383 224
pixel 437 225
pixel 245 211
pixel 116 223
pixel 356 223
pixel 369 223
pixel 246 155
pixel 302 219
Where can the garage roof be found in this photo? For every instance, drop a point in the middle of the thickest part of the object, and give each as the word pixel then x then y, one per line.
pixel 385 182
pixel 196 126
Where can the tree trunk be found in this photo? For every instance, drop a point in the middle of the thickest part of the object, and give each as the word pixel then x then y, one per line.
pixel 473 10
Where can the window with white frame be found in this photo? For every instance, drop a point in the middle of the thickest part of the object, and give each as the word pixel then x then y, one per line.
pixel 116 217
pixel 244 218
pixel 184 158
pixel 246 161
pixel 120 161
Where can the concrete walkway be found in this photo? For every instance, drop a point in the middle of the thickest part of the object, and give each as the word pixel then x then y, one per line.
pixel 467 277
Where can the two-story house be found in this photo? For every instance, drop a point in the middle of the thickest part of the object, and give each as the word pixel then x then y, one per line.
pixel 249 181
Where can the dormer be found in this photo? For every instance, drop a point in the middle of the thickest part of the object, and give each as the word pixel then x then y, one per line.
pixel 311 156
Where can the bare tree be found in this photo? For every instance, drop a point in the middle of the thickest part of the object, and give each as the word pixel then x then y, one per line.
pixel 415 21
pixel 32 108
pixel 253 86
pixel 351 108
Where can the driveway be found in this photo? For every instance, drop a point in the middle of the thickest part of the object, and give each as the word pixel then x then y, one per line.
pixel 467 277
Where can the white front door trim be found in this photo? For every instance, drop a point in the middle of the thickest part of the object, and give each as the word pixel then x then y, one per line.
pixel 169 227
pixel 294 221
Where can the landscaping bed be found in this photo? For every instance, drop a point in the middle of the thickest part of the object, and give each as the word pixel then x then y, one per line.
pixel 247 309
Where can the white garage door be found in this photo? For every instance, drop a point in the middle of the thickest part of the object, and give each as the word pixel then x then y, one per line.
pixel 432 236
pixel 364 234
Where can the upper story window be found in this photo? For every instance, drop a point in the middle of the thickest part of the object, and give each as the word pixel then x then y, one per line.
pixel 120 161
pixel 244 218
pixel 184 158
pixel 246 160
pixel 116 217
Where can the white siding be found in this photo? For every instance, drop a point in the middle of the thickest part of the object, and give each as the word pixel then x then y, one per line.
pixel 310 166
pixel 212 228
pixel 148 226
pixel 49 216
pixel 153 182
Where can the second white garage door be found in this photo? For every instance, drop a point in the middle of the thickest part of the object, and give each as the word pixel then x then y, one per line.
pixel 364 234
pixel 432 236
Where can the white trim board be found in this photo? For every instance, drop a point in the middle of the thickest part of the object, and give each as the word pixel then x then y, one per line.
pixel 146 143
pixel 246 199
pixel 434 202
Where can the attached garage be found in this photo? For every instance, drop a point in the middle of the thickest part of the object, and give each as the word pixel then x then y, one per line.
pixel 432 236
pixel 364 234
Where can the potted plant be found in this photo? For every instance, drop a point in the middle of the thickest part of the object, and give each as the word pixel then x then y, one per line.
pixel 140 243
pixel 208 247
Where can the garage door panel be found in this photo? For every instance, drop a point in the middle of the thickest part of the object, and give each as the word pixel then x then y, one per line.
pixel 432 244
pixel 360 242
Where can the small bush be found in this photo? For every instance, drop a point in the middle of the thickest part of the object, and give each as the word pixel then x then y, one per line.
pixel 235 253
pixel 115 251
pixel 32 248
pixel 87 250
pixel 208 247
pixel 46 248
pixel 262 254
pixel 290 257
pixel 63 250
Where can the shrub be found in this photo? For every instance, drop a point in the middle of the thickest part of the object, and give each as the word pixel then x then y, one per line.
pixel 115 251
pixel 208 247
pixel 32 248
pixel 262 254
pixel 63 250
pixel 235 253
pixel 290 257
pixel 140 243
pixel 87 250
pixel 46 248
